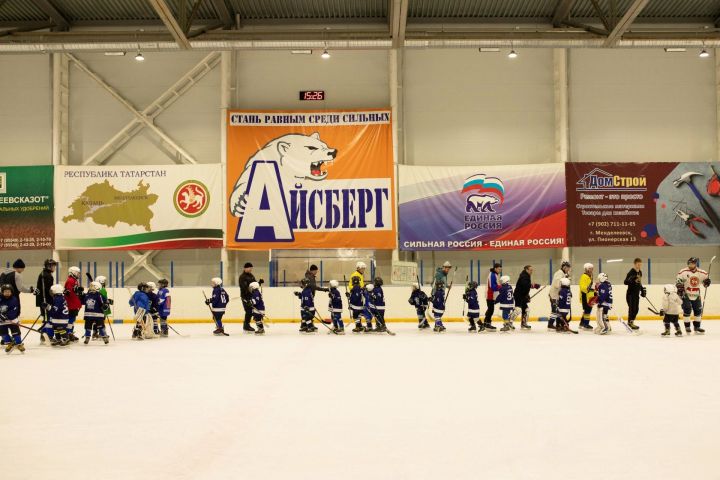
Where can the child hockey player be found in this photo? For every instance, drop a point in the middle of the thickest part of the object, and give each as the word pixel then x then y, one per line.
pixel 564 306
pixel 438 306
pixel 9 319
pixel 554 294
pixel 605 300
pixel 307 307
pixel 688 283
pixel 258 307
pixel 94 312
pixel 356 299
pixel 107 301
pixel 59 316
pixel 218 303
pixel 152 296
pixel 163 300
pixel 587 293
pixel 335 308
pixel 671 309
pixel 141 304
pixel 506 302
pixel 377 304
pixel 473 307
pixel 73 290
pixel 420 301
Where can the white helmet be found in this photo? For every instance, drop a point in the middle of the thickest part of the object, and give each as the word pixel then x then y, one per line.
pixel 151 285
pixel 57 289
pixel 602 277
pixel 94 286
pixel 565 282
pixel 588 266
pixel 101 279
pixel 504 279
pixel 216 281
pixel 370 287
pixel 253 286
pixel 670 288
pixel 360 265
pixel 74 271
pixel 415 286
pixel 334 283
pixel 447 264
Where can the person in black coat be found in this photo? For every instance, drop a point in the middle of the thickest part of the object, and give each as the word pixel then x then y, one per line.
pixel 522 293
pixel 310 276
pixel 246 278
pixel 635 290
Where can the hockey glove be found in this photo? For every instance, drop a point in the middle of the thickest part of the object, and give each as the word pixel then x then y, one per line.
pixel 208 301
pixel 34 291
pixel 105 306
pixel 110 301
pixel 66 292
pixel 661 313
pixel 297 294
pixel 78 289
pixel 706 283
pixel 45 306
pixel 261 281
pixel 643 292
pixel 347 294
pixel 464 297
pixel 680 290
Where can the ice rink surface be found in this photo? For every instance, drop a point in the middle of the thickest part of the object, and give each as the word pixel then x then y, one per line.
pixel 414 406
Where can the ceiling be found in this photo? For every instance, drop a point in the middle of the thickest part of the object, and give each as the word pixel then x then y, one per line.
pixel 79 25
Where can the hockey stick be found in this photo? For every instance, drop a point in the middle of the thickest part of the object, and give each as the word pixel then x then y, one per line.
pixel 451 284
pixel 43 314
pixel 566 325
pixel 323 323
pixel 171 328
pixel 31 328
pixel 653 311
pixel 28 328
pixel 539 290
pixel 211 314
pixel 464 300
pixel 708 276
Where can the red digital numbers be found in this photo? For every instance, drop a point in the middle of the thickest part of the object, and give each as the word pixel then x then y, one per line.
pixel 312 95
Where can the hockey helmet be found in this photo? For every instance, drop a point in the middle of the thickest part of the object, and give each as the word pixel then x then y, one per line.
pixel 304 282
pixel 74 271
pixel 57 289
pixel 564 282
pixel 334 284
pixel 565 265
pixel 94 286
pixel 415 286
pixel 151 285
pixel 163 282
pixel 669 288
pixel 49 263
pixel 693 260
pixel 5 287
pixel 378 281
pixel 216 281
pixel 254 286
pixel 101 280
pixel 602 277
pixel 504 279
pixel 142 286
pixel 472 285
pixel 369 287
pixel 588 266
pixel 447 264
pixel 360 266
pixel 355 280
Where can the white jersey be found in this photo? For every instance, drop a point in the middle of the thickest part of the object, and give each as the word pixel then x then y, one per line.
pixel 672 304
pixel 555 285
pixel 691 281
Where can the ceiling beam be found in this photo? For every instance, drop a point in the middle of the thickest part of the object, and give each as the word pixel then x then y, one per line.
pixel 589 28
pixel 603 18
pixel 166 15
pixel 223 13
pixel 398 21
pixel 625 22
pixel 562 11
pixel 49 9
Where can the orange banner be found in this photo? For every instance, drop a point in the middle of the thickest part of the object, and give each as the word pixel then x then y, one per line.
pixel 310 179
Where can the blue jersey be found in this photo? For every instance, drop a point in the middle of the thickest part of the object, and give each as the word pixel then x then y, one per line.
pixel 140 300
pixel 438 301
pixel 564 300
pixel 335 301
pixel 152 298
pixel 357 298
pixel 219 299
pixel 605 294
pixel 377 299
pixel 419 299
pixel 163 301
pixel 94 305
pixel 9 309
pixel 258 305
pixel 59 312
pixel 505 298
pixel 306 299
pixel 471 298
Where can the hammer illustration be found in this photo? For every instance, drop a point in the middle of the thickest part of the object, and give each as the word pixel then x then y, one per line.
pixel 686 178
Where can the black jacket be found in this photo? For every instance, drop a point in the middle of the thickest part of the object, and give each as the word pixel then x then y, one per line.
pixel 246 278
pixel 522 287
pixel 313 283
pixel 633 280
pixel 44 282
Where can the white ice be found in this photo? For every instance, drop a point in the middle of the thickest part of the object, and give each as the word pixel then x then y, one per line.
pixel 414 406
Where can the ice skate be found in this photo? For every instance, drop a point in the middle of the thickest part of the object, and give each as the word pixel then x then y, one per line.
pixel 21 347
pixel 358 328
pixel 481 327
pixel 698 330
pixel 219 332
pixel 260 331
pixel 505 327
pixel 678 332
pixel 631 324
pixel 106 339
pixel 423 325
pixel 311 328
pixel 381 329
pixel 666 333
pixel 489 327
pixel 439 328
pixel 87 340
pixel 339 330
pixel 9 347
pixel 472 328
pixel 72 337
pixel 524 325
pixel 247 328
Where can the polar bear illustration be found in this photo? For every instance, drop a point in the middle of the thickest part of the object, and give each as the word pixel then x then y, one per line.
pixel 481 203
pixel 300 157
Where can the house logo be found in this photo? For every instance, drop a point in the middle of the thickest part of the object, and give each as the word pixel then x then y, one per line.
pixel 598 179
pixel 483 196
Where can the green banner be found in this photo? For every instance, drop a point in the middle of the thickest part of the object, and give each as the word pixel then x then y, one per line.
pixel 26 208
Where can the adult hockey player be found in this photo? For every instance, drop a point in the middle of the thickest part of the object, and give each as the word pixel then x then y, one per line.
pixel 473 307
pixel 493 289
pixel 377 303
pixel 420 301
pixel 307 308
pixel 635 290
pixel 44 297
pixel 604 304
pixel 554 294
pixel 311 277
pixel 164 305
pixel 522 294
pixel 688 282
pixel 587 293
pixel 94 314
pixel 356 300
pixel 72 293
pixel 258 307
pixel 246 278
pixel 441 274
pixel 438 306
pixel 671 310
pixel 506 302
pixel 10 319
pixel 59 315
pixel 564 306
pixel 218 303
pixel 335 307
pixel 13 277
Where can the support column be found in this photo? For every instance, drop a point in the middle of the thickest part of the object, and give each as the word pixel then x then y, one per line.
pixel 226 82
pixel 60 121
pixel 716 52
pixel 562 138
pixel 395 66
